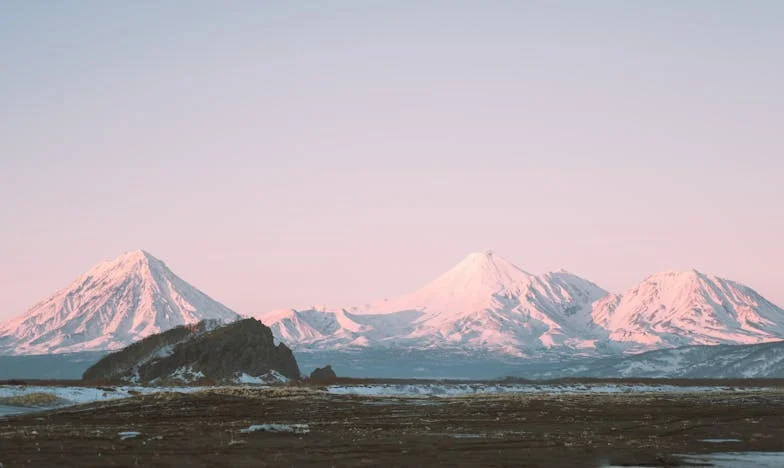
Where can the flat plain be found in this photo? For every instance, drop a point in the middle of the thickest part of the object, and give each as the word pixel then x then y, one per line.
pixel 311 425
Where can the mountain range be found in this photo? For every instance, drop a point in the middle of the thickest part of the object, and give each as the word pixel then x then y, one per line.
pixel 485 303
pixel 483 306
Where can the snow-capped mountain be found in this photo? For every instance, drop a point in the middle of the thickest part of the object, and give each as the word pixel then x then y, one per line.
pixel 487 305
pixel 484 306
pixel 114 304
pixel 688 308
pixel 484 303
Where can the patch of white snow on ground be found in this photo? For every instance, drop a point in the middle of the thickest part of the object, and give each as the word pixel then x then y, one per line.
pixel 6 410
pixel 472 389
pixel 249 379
pixel 187 374
pixel 80 395
pixel 277 376
pixel 737 459
pixel 279 428
pixel 268 378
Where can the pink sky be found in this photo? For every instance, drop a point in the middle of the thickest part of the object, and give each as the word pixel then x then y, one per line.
pixel 289 156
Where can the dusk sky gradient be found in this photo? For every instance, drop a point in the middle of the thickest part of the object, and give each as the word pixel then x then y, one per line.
pixel 289 154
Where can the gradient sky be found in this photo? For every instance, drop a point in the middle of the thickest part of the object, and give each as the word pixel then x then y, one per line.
pixel 280 154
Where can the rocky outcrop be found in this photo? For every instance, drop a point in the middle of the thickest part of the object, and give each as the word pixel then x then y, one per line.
pixel 241 352
pixel 123 365
pixel 323 374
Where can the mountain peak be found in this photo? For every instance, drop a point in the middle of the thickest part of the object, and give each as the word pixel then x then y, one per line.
pixel 484 302
pixel 138 253
pixel 484 271
pixel 484 262
pixel 468 285
pixel 132 261
pixel 136 256
pixel 115 303
pixel 675 308
pixel 677 278
pixel 691 272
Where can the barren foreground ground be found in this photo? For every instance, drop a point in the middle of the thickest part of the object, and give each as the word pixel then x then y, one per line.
pixel 204 429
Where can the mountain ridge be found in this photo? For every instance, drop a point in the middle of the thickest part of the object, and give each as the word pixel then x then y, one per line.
pixel 675 308
pixel 484 302
pixel 487 303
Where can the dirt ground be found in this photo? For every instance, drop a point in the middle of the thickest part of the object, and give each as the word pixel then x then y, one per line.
pixel 203 429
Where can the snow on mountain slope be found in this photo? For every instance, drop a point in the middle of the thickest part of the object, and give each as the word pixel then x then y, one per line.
pixel 469 285
pixel 487 304
pixel 484 303
pixel 688 308
pixel 114 304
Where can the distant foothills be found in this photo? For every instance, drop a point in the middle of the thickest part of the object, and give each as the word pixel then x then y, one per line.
pixel 485 309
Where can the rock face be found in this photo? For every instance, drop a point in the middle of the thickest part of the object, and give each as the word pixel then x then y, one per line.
pixel 241 352
pixel 323 374
pixel 125 364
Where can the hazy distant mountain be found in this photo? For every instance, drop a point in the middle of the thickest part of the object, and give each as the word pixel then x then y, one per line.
pixel 114 304
pixel 764 360
pixel 486 304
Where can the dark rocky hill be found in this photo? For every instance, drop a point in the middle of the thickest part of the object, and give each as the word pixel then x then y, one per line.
pixel 323 374
pixel 243 351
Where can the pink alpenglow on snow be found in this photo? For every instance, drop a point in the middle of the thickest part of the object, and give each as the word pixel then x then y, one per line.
pixel 689 307
pixel 486 303
pixel 114 304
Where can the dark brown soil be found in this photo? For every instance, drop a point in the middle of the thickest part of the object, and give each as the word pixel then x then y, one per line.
pixel 738 383
pixel 203 429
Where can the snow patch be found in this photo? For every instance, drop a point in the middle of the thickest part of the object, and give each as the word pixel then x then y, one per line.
pixel 186 374
pixel 81 395
pixel 737 459
pixel 278 428
pixel 270 377
pixel 447 390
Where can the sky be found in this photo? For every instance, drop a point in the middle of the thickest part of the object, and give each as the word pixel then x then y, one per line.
pixel 290 154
